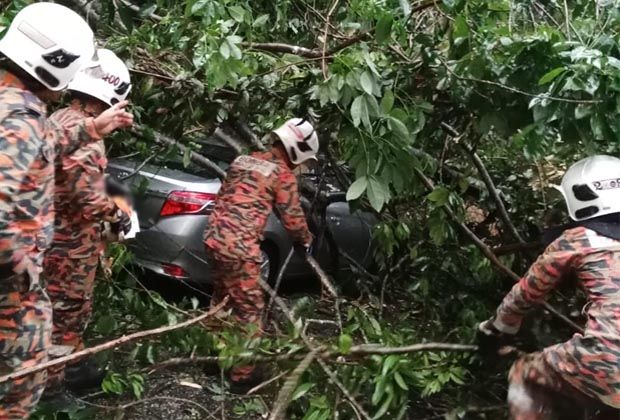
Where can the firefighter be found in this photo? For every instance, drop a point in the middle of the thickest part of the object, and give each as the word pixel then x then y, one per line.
pixel 82 205
pixel 586 368
pixel 254 184
pixel 45 45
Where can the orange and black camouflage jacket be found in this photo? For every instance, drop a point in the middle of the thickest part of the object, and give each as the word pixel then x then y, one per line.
pixel 28 148
pixel 590 362
pixel 253 185
pixel 80 197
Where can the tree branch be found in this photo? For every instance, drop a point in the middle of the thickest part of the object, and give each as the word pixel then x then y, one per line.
pixel 229 140
pixel 286 392
pixel 489 253
pixel 195 157
pixel 325 38
pixel 488 181
pixel 112 344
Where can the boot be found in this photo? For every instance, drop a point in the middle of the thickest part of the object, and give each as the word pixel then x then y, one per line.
pixel 83 375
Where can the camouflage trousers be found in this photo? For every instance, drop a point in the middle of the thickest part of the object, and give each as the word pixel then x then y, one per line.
pixel 538 392
pixel 25 332
pixel 238 280
pixel 70 285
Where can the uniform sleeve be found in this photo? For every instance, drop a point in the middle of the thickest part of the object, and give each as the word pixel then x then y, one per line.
pixel 20 149
pixel 289 208
pixel 542 277
pixel 87 167
pixel 69 133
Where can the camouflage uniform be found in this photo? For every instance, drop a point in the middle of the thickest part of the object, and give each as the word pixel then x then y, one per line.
pixel 253 185
pixel 27 154
pixel 71 263
pixel 587 365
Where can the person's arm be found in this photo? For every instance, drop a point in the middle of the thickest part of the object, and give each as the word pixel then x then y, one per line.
pixel 22 146
pixel 87 169
pixel 69 131
pixel 289 208
pixel 542 277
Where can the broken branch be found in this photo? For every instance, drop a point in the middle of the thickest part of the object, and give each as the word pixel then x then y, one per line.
pixel 489 253
pixel 112 344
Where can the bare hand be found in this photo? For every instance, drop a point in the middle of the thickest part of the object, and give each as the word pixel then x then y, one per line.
pixel 113 118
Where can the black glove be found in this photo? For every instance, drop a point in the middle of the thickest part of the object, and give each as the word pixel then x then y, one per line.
pixel 491 340
pixel 123 225
pixel 302 249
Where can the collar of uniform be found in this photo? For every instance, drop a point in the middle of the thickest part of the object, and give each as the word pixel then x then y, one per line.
pixel 30 100
pixel 282 156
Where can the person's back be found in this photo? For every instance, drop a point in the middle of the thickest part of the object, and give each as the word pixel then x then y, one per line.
pixel 254 184
pixel 589 362
pixel 586 368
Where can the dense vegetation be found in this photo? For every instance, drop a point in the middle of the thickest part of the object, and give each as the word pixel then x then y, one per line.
pixel 485 100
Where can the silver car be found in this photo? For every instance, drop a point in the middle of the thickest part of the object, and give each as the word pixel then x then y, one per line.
pixel 173 203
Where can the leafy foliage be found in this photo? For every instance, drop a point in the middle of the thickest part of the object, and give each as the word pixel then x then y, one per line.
pixel 394 87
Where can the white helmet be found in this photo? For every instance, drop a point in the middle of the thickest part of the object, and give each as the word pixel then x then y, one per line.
pixel 109 81
pixel 299 139
pixel 591 187
pixel 50 42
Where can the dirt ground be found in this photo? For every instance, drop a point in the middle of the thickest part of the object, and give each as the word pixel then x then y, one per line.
pixel 184 393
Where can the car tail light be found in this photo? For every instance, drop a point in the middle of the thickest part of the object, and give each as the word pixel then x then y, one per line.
pixel 187 202
pixel 174 270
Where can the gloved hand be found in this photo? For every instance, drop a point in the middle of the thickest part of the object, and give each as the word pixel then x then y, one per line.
pixel 302 249
pixel 491 340
pixel 124 223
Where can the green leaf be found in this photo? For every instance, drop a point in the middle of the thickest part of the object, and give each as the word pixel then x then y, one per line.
pixel 384 407
pixel 439 196
pixel 195 302
pixel 400 381
pixel 344 343
pixel 237 13
pixel 389 363
pixel 359 111
pixel 377 194
pixel 126 15
pixel 598 125
pixel 399 128
pixel 357 188
pixel 372 105
pixel 367 82
pixel 387 102
pixel 146 11
pixel 225 50
pixel 583 110
pixel 187 157
pixel 235 52
pixel 301 391
pixel 384 28
pixel 461 30
pixel 551 75
pixel 406 7
pixel 260 21
pixel 379 391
